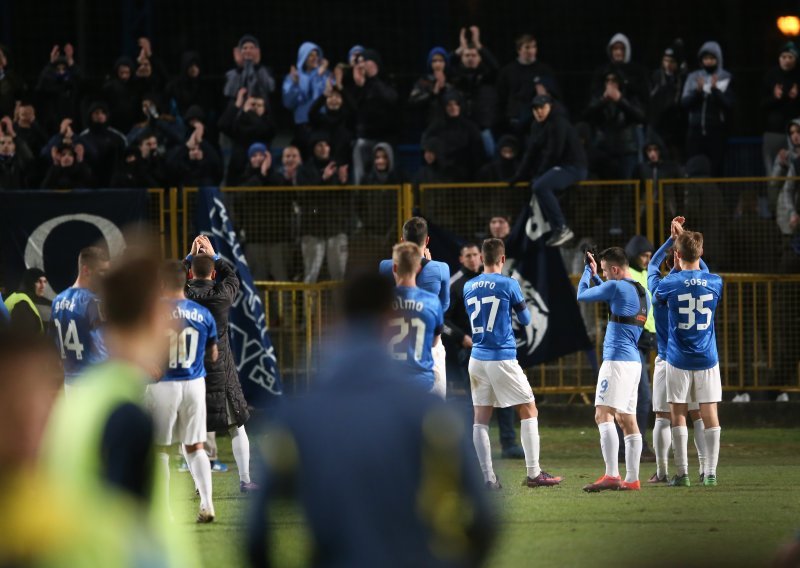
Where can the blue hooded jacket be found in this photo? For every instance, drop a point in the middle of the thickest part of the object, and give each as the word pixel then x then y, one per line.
pixel 298 97
pixel 438 51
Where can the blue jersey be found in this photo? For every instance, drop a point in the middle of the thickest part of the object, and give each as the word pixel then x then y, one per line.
pixel 418 319
pixel 661 311
pixel 4 317
pixel 193 328
pixel 691 297
pixel 77 330
pixel 434 278
pixel 621 341
pixel 490 299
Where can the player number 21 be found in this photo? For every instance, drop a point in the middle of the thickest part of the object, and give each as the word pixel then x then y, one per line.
pixel 494 301
pixel 398 337
pixel 695 305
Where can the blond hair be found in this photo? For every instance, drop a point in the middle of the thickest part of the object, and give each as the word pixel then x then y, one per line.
pixel 690 245
pixel 408 257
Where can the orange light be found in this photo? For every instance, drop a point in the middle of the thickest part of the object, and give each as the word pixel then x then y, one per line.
pixel 789 25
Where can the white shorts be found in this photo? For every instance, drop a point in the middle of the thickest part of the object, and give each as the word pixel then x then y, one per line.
pixel 618 385
pixel 179 411
pixel 439 387
pixel 660 403
pixel 684 386
pixel 498 383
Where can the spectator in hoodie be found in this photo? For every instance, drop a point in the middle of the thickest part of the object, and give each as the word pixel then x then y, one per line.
pixel 245 121
pixel 654 167
pixel 434 169
pixel 505 164
pixel 428 92
pixel 196 163
pixel 615 114
pixel 515 87
pixel 787 164
pixel 164 126
pixel 376 210
pixel 332 113
pixel 474 74
pixel 248 73
pixel 15 157
pixel 68 171
pixel 708 98
pixel 149 167
pixel 105 144
pixel 320 168
pixel 150 75
pixel 122 96
pixel 780 102
pixel 126 170
pixel 303 85
pixel 28 128
pixel 561 163
pixel 461 139
pixel 58 87
pixel 632 76
pixel 189 89
pixel 665 113
pixel 383 170
pixel 12 87
pixel 375 102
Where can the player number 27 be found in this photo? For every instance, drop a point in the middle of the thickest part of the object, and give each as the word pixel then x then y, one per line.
pixel 494 301
pixel 694 305
pixel 182 347
pixel 403 332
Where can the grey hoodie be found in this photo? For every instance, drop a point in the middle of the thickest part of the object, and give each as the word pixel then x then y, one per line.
pixel 708 110
pixel 789 196
pixel 623 39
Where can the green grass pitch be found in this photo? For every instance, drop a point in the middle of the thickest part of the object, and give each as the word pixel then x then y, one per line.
pixel 739 523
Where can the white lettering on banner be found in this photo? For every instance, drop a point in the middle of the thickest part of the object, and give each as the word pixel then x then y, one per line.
pixel 34 249
pixel 531 336
pixel 536 226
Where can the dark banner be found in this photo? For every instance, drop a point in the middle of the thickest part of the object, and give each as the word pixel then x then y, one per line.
pixel 250 342
pixel 47 229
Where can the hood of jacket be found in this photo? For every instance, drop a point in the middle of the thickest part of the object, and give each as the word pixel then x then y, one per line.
pixel 623 39
pixel 189 58
pixel 303 52
pixel 788 126
pixel 653 139
pixel 126 62
pixel 714 48
pixel 438 50
pixel 636 246
pixel 389 154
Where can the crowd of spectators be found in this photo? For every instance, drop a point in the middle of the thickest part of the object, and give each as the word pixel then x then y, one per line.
pixel 145 127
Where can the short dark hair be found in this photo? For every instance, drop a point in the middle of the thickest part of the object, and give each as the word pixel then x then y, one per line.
pixel 92 256
pixel 415 230
pixel 467 245
pixel 492 250
pixel 202 265
pixel 523 39
pixel 130 290
pixel 367 297
pixel 615 256
pixel 173 275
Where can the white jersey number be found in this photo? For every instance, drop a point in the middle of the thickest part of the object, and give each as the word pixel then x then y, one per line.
pixel 182 347
pixel 404 329
pixel 70 341
pixel 695 305
pixel 494 301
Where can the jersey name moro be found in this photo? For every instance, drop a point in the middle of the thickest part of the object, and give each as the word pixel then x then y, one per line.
pixel 483 284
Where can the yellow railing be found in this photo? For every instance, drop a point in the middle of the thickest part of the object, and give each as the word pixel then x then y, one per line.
pixel 163 209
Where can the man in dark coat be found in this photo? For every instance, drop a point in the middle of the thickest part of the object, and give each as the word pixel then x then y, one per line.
pixel 461 139
pixel 214 285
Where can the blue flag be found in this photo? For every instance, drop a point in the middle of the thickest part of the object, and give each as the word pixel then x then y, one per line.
pixel 557 328
pixel 250 342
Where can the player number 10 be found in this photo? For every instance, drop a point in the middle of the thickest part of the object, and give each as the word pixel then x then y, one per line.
pixel 695 305
pixel 181 351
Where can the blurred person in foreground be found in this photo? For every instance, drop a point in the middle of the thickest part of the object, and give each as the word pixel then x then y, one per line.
pixel 436 512
pixel 99 442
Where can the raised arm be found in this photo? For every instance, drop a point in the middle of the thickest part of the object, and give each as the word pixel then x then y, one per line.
pixel 654 267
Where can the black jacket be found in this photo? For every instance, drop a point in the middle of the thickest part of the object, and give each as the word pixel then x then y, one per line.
pixel 244 129
pixel 222 378
pixel 336 125
pixel 778 112
pixel 557 144
pixel 375 104
pixel 615 123
pixel 77 176
pixel 478 87
pixel 456 320
pixel 463 147
pixel 194 173
pixel 516 88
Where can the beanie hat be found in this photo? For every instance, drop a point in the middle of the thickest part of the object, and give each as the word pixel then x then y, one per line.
pixel 256 147
pixel 248 38
pixel 790 47
pixel 355 50
pixel 373 55
pixel 541 100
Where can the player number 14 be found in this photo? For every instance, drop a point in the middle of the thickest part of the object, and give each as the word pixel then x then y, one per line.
pixel 695 305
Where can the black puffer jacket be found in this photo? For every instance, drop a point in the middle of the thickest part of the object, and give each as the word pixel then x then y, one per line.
pixel 222 378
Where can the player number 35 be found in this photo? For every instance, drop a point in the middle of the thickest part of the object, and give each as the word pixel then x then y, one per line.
pixel 694 305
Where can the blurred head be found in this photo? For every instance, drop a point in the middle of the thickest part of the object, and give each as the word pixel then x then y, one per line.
pixel 372 62
pixel 787 61
pixel 508 150
pixel 470 257
pixel 794 135
pixel 196 153
pixel 93 264
pixel 415 230
pixel 30 380
pixel 257 158
pixel 689 246
pixel 618 52
pixel 438 63
pixel 312 61
pixel 381 160
pixel 493 252
pixel 148 145
pixel 256 104
pixel 669 64
pixel 34 282
pixel 709 61
pixel 66 157
pixel 453 108
pixel 290 159
pixel 542 111
pixel 145 68
pixel 429 156
pixel 7 145
pixel 248 50
pixel 653 153
pixel 612 79
pixel 203 267
pixel 26 114
pixel 193 71
pixel 99 116
pixel 358 61
pixel 406 259
pixel 499 227
pixel 123 72
pixel 322 150
pixel 334 100
pixel 527 49
pixel 173 277
pixel 367 301
pixel 613 263
pixel 471 58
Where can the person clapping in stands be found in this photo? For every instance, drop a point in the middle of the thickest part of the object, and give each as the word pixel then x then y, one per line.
pixel 246 120
pixel 68 171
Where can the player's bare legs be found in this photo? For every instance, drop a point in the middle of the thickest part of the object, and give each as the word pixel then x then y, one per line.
pixel 483 447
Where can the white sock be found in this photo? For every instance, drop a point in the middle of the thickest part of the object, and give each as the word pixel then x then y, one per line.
pixel 483 447
pixel 609 444
pixel 163 461
pixel 241 451
pixel 700 442
pixel 712 450
pixel 200 466
pixel 680 448
pixel 662 439
pixel 633 453
pixel 529 433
